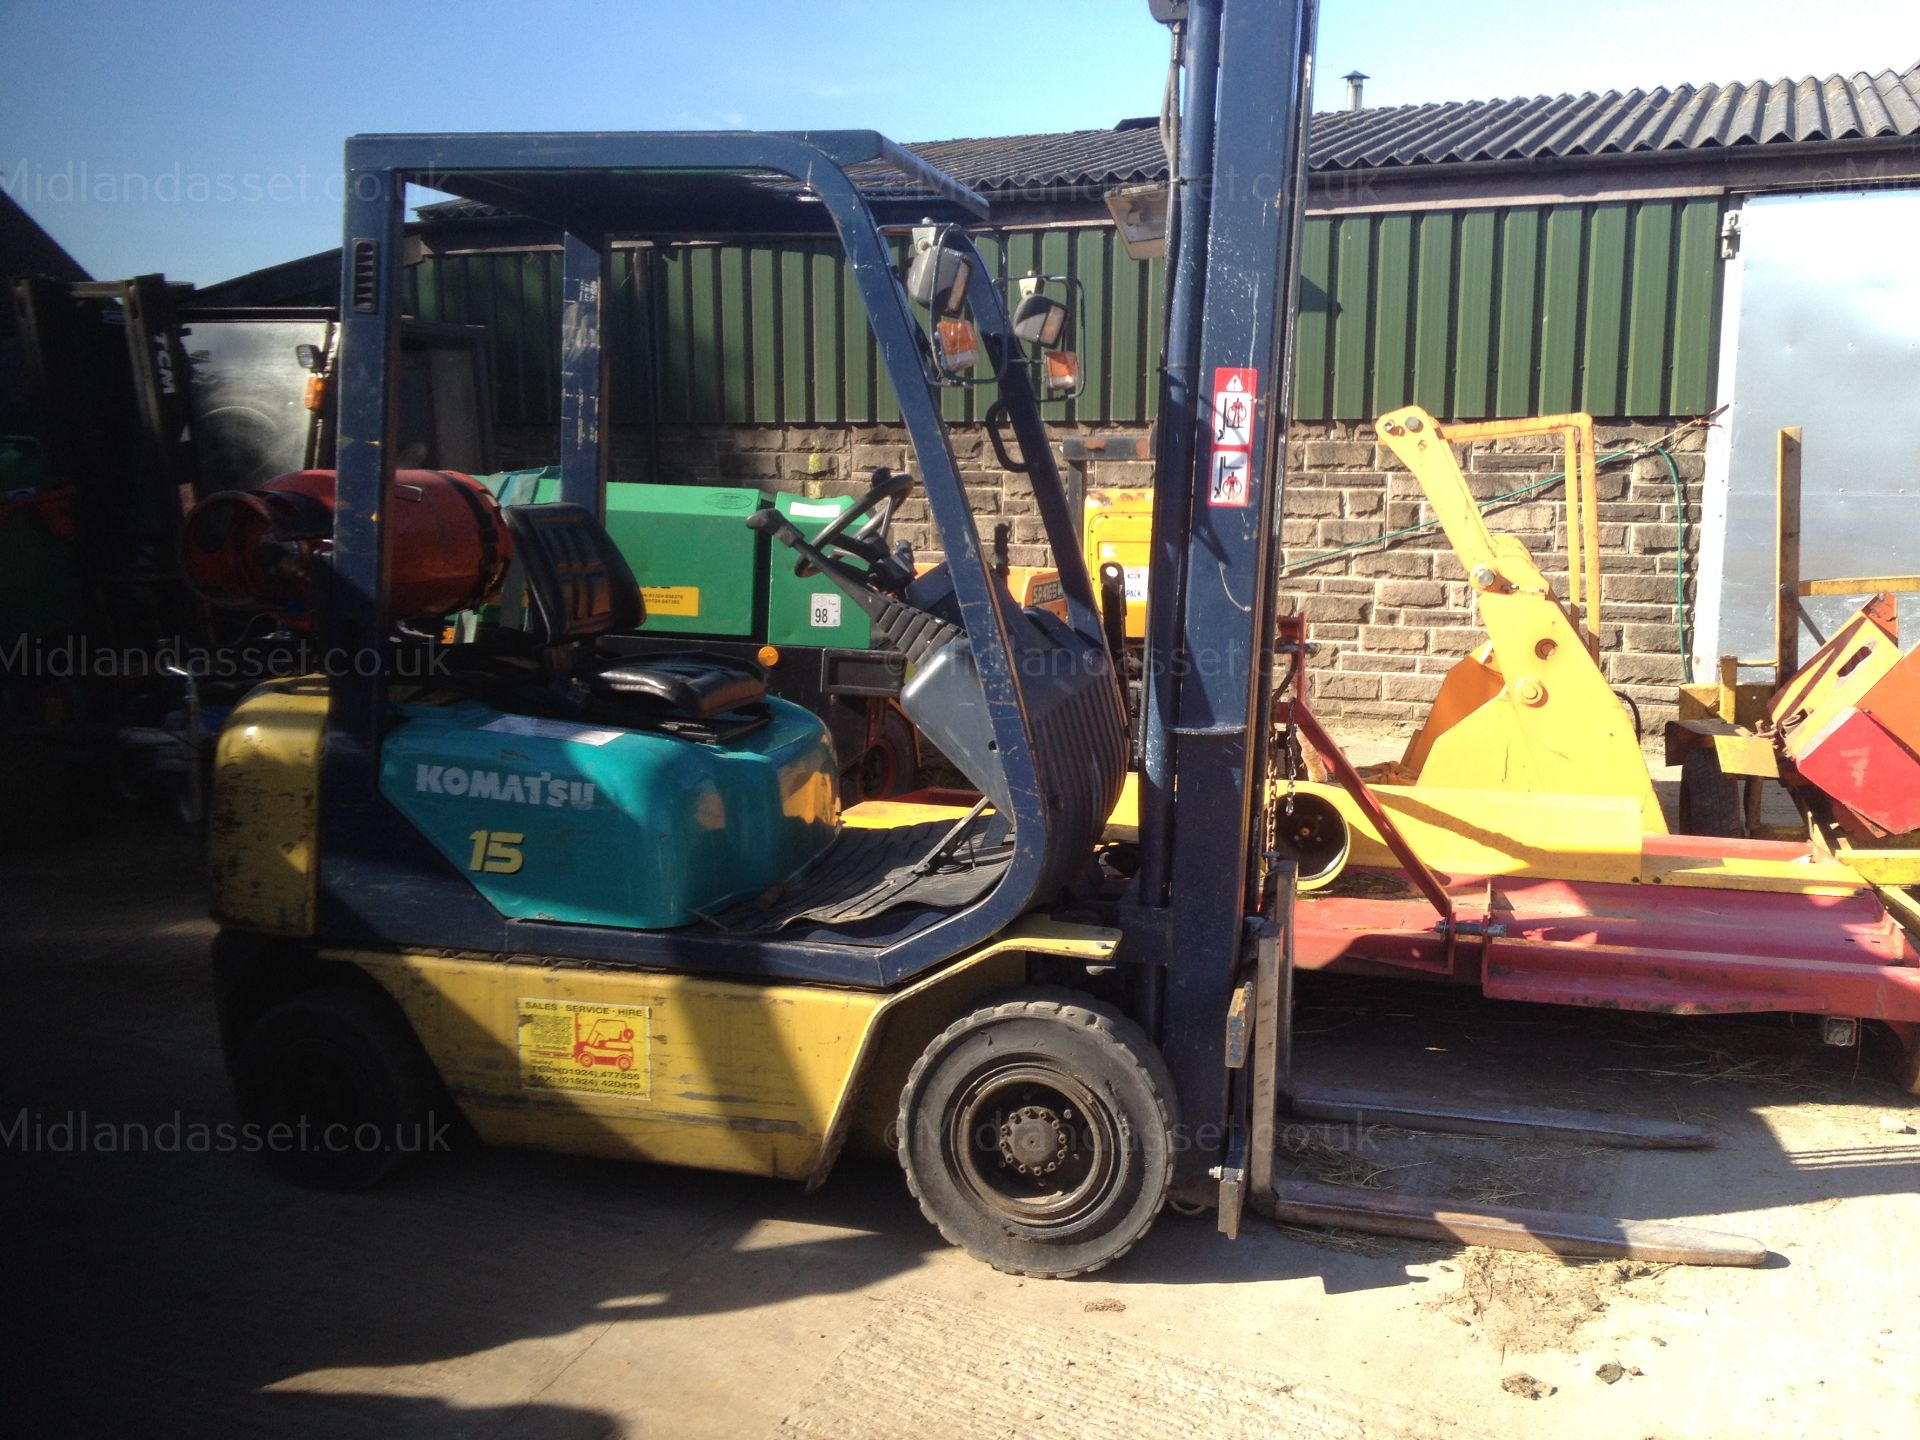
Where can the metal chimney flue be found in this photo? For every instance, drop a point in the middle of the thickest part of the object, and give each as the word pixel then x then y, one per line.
pixel 1355 82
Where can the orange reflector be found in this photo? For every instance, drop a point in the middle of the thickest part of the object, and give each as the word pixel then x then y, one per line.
pixel 959 344
pixel 1063 371
pixel 769 655
pixel 316 392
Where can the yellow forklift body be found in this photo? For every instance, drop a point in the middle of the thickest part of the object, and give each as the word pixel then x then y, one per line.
pixel 674 1068
pixel 762 1079
pixel 261 834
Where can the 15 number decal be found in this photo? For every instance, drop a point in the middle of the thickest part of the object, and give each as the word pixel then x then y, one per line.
pixel 497 852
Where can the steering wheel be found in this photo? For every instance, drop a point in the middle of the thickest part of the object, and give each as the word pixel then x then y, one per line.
pixel 884 574
pixel 884 490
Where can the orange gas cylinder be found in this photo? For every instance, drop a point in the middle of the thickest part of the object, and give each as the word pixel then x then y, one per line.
pixel 254 549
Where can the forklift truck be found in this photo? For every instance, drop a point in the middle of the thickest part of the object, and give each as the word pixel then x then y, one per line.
pixel 433 887
pixel 440 883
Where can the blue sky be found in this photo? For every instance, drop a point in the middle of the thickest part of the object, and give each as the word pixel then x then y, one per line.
pixel 203 138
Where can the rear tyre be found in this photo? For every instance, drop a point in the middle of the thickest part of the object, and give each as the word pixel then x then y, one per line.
pixel 1037 1134
pixel 1710 799
pixel 337 1088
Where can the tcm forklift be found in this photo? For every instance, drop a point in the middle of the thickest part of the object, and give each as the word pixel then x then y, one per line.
pixel 438 867
pixel 147 400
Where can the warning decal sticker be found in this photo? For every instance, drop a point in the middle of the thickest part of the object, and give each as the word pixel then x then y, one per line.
pixel 1235 406
pixel 1233 415
pixel 1229 485
pixel 537 728
pixel 681 600
pixel 594 1049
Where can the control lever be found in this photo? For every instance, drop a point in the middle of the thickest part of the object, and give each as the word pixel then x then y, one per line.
pixel 1113 611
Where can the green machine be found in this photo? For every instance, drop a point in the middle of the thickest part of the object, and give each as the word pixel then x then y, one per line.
pixel 705 569
pixel 808 610
pixel 713 582
pixel 39 586
pixel 692 543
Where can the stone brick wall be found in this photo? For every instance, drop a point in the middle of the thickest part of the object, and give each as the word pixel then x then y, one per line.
pixel 1390 618
pixel 817 460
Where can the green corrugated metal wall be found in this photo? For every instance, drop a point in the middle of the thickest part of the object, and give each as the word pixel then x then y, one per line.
pixel 1533 309
pixel 773 334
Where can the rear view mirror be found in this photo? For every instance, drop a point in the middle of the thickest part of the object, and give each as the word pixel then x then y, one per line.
pixel 1046 327
pixel 1041 320
pixel 1140 216
pixel 937 278
pixel 310 358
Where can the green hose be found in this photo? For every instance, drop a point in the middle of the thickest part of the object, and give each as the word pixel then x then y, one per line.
pixel 1680 554
pixel 1679 564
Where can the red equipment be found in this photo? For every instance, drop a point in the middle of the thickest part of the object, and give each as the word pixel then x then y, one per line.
pixel 254 549
pixel 1849 723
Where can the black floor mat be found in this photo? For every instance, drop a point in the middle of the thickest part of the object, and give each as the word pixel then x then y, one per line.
pixel 865 873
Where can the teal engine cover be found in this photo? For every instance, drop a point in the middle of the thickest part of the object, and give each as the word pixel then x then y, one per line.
pixel 594 825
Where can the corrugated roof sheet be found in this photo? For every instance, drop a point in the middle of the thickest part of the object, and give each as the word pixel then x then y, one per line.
pixel 1545 127
pixel 1121 156
pixel 1687 117
pixel 1697 118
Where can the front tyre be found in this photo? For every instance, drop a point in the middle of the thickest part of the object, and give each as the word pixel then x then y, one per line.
pixel 1037 1134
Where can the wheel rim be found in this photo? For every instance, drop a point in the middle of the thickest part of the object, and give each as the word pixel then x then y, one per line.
pixel 1314 835
pixel 1033 1145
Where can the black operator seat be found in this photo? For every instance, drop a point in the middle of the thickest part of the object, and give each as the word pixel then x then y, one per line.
pixel 579 587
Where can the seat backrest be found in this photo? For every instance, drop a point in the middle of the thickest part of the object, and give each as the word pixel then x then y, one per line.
pixel 578 583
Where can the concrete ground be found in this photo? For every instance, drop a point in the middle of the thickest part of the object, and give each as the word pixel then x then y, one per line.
pixel 159 1292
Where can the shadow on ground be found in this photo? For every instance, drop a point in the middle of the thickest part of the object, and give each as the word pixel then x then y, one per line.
pixel 177 1292
pixel 173 1287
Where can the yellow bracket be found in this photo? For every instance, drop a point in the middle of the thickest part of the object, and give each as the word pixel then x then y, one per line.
pixel 1583 499
pixel 1861 585
pixel 1531 710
